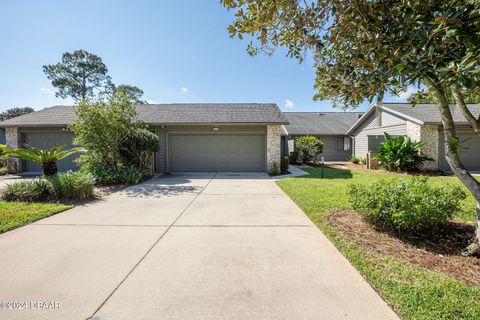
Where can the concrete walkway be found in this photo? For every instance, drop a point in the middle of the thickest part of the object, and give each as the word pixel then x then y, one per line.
pixel 183 246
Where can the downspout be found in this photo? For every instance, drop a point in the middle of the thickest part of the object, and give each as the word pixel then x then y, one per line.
pixel 352 138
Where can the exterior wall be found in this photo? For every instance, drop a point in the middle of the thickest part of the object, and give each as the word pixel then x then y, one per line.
pixel 161 155
pixel 390 119
pixel 375 126
pixel 283 146
pixel 12 137
pixel 369 128
pixel 2 136
pixel 273 146
pixel 430 135
pixel 372 121
pixel 330 151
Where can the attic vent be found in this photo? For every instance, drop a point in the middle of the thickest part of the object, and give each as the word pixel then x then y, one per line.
pixel 321 114
pixel 359 116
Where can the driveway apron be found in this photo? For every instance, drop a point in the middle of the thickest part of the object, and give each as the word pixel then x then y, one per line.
pixel 183 246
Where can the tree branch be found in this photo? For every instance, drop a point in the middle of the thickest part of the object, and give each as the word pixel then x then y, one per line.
pixel 458 96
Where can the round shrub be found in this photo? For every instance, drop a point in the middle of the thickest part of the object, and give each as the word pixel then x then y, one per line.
pixel 137 148
pixel 309 147
pixel 407 205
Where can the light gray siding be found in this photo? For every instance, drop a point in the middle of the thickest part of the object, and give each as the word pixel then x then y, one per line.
pixel 390 119
pixel 331 150
pixel 371 122
pixel 47 139
pixel 469 149
pixel 362 142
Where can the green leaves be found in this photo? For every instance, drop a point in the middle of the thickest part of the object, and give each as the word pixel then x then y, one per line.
pixel 308 147
pixel 48 158
pixel 80 75
pixel 364 48
pixel 401 154
pixel 40 156
pixel 406 205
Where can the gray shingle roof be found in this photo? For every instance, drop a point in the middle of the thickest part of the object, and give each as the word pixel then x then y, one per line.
pixel 428 113
pixel 320 123
pixel 166 114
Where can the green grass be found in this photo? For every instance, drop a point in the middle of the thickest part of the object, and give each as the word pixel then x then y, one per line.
pixel 17 214
pixel 413 292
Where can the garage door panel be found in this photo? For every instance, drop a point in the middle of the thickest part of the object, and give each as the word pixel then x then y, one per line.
pixel 49 140
pixel 469 150
pixel 217 152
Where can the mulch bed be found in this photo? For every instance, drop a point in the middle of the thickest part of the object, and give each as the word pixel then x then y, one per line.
pixel 439 252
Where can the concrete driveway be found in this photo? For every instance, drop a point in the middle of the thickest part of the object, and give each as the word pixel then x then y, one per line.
pixel 183 246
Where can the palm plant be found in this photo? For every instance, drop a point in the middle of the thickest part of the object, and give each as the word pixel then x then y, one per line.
pixel 47 158
pixel 401 154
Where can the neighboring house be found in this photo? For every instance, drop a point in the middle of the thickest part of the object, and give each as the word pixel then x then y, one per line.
pixel 422 122
pixel 329 127
pixel 193 137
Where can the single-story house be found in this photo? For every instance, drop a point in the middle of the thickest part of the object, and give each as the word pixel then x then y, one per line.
pixel 419 122
pixel 193 137
pixel 329 127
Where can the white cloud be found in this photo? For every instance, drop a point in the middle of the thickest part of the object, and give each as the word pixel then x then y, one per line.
pixel 150 101
pixel 289 104
pixel 184 90
pixel 48 91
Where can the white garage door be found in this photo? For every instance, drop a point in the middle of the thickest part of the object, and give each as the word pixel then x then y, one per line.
pixel 217 152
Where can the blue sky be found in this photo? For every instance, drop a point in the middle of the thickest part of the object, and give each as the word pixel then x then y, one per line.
pixel 176 51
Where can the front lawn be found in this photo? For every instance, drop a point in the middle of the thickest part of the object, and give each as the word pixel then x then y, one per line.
pixel 17 214
pixel 414 292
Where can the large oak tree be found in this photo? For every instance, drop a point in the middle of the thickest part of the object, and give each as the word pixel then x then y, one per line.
pixel 364 48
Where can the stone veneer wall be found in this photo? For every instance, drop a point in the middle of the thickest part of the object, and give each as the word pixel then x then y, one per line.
pixel 430 135
pixel 273 146
pixel 12 138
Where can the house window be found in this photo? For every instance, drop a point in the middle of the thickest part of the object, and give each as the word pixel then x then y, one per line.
pixel 343 143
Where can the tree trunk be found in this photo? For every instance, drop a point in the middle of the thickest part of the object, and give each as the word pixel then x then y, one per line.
pixel 453 159
pixel 49 168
